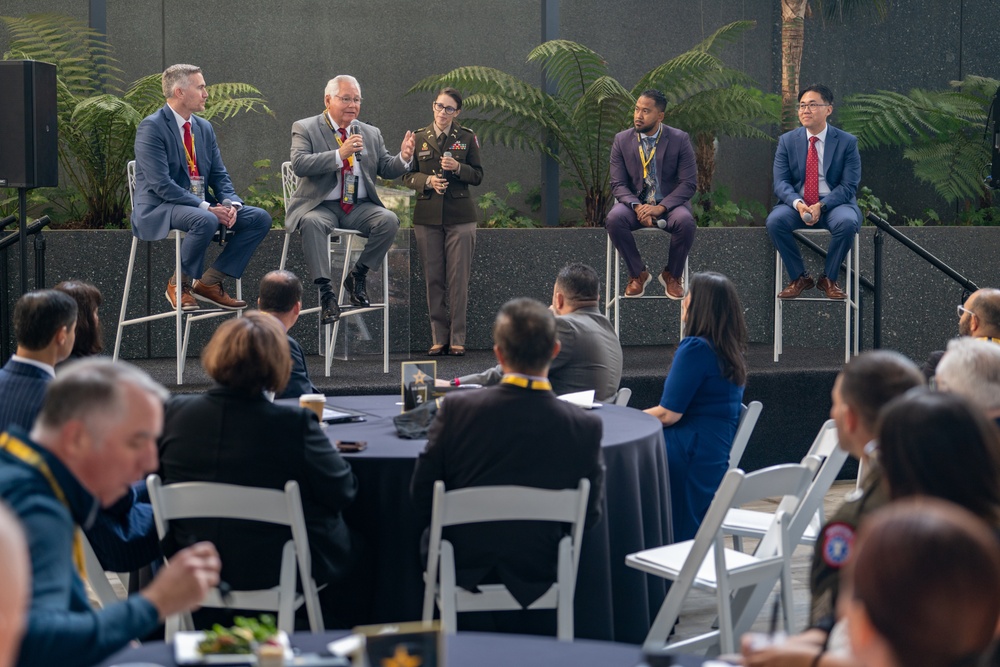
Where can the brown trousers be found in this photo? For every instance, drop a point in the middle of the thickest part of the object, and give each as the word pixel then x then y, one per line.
pixel 447 252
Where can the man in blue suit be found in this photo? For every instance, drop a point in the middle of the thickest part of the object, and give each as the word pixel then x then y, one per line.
pixel 817 169
pixel 45 329
pixel 181 183
pixel 280 295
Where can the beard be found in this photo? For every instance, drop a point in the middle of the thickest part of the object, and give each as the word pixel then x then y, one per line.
pixel 963 327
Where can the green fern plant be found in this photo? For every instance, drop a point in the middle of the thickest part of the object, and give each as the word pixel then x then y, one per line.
pixel 98 115
pixel 575 125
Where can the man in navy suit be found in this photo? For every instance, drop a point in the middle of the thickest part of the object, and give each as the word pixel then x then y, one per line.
pixel 45 329
pixel 817 169
pixel 653 177
pixel 280 295
pixel 181 183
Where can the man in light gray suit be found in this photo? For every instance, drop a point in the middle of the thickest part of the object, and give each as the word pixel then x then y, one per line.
pixel 590 356
pixel 327 157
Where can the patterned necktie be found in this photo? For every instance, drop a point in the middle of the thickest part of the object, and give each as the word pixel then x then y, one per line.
pixel 343 175
pixel 189 147
pixel 810 193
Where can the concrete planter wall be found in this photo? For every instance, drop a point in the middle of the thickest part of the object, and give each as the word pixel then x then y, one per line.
pixel 918 309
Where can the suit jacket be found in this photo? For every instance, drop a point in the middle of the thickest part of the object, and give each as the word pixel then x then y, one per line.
pixel 454 206
pixel 590 356
pixel 161 175
pixel 22 392
pixel 314 161
pixel 509 435
pixel 675 164
pixel 299 382
pixel 841 167
pixel 229 437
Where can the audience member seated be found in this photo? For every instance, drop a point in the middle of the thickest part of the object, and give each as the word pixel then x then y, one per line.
pixel 971 369
pixel 866 384
pixel 516 433
pixel 15 582
pixel 233 435
pixel 700 406
pixel 281 295
pixel 978 317
pixel 590 356
pixel 45 329
pixel 89 337
pixel 95 436
pixel 924 587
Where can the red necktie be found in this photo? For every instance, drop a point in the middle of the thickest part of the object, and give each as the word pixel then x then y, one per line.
pixel 189 147
pixel 810 193
pixel 343 176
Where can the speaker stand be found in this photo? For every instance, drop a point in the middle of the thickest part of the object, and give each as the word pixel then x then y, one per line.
pixel 22 204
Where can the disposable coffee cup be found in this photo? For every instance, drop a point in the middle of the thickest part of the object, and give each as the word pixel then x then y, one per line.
pixel 314 402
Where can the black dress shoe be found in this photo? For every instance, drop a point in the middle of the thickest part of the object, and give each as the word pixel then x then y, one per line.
pixel 355 284
pixel 330 308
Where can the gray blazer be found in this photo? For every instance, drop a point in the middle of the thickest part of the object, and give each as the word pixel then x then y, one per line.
pixel 590 356
pixel 314 161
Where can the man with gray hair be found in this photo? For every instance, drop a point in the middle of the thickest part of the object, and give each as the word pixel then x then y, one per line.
pixel 181 183
pixel 336 158
pixel 95 436
pixel 970 368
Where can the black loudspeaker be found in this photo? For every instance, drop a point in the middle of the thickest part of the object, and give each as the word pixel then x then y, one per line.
pixel 29 150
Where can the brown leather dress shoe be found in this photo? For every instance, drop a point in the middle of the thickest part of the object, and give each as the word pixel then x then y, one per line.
pixel 637 286
pixel 673 287
pixel 187 301
pixel 831 288
pixel 797 287
pixel 437 350
pixel 215 295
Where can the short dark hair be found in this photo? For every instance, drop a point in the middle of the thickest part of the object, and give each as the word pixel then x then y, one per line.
pixel 579 282
pixel 658 98
pixel 452 93
pixel 871 380
pixel 249 354
pixel 89 336
pixel 820 89
pixel 39 315
pixel 715 313
pixel 279 291
pixel 525 332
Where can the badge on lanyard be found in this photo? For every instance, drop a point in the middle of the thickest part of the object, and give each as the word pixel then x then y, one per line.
pixel 350 189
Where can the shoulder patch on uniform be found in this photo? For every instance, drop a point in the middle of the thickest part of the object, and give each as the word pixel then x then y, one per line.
pixel 838 540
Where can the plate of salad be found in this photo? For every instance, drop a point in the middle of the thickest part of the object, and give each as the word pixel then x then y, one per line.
pixel 235 645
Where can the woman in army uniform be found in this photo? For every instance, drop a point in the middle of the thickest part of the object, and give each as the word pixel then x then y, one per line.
pixel 444 221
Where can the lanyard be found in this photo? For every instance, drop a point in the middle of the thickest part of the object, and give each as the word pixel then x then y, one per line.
pixel 191 155
pixel 525 382
pixel 26 454
pixel 642 156
pixel 336 135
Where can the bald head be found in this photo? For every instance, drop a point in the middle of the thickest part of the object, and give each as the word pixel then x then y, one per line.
pixel 981 318
pixel 15 584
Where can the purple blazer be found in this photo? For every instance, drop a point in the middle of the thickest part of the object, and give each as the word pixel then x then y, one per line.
pixel 675 164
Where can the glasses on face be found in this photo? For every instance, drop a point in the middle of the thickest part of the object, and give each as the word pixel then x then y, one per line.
pixel 450 111
pixel 811 106
pixel 963 309
pixel 348 100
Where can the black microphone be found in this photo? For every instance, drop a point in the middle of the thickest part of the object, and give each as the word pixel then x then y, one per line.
pixel 223 230
pixel 355 128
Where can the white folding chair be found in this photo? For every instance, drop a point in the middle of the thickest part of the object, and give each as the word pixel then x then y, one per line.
pixel 203 500
pixel 749 414
pixel 502 503
pixel 613 299
pixel 97 577
pixel 706 564
pixel 338 241
pixel 622 397
pixel 181 317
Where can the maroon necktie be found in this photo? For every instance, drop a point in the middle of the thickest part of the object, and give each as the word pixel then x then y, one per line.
pixel 343 176
pixel 810 193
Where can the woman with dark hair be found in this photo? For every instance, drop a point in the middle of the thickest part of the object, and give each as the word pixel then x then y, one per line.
pixel 444 219
pixel 923 587
pixel 89 337
pixel 700 406
pixel 232 434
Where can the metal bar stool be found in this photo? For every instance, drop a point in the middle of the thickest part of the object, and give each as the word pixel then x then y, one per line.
pixel 853 290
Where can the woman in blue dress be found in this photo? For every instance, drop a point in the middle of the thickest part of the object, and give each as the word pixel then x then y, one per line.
pixel 700 406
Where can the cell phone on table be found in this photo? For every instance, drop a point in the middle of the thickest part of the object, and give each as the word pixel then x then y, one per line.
pixel 350 446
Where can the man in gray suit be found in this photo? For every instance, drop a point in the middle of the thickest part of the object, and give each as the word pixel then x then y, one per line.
pixel 336 171
pixel 590 356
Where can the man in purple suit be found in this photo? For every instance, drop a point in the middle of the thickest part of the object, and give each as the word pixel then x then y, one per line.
pixel 653 177
pixel 817 169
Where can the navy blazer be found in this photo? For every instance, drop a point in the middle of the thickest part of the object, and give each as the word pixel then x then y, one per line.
pixel 162 180
pixel 299 382
pixel 841 167
pixel 675 164
pixel 22 392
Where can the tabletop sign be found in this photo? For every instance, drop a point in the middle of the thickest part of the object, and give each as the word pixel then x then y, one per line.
pixel 417 384
pixel 402 645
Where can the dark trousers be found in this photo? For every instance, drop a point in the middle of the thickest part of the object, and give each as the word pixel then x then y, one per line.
pixel 622 221
pixel 843 222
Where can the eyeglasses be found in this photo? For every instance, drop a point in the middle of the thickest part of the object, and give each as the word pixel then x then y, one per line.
pixel 347 100
pixel 450 111
pixel 963 309
pixel 811 106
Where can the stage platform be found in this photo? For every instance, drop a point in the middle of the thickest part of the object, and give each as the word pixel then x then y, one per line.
pixel 795 391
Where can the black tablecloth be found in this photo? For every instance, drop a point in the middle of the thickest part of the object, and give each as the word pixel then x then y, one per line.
pixel 613 602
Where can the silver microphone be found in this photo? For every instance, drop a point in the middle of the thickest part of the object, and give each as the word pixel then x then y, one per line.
pixel 355 128
pixel 807 217
pixel 228 203
pixel 661 223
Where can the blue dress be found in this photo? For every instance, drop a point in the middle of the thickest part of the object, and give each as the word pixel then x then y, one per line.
pixel 698 445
